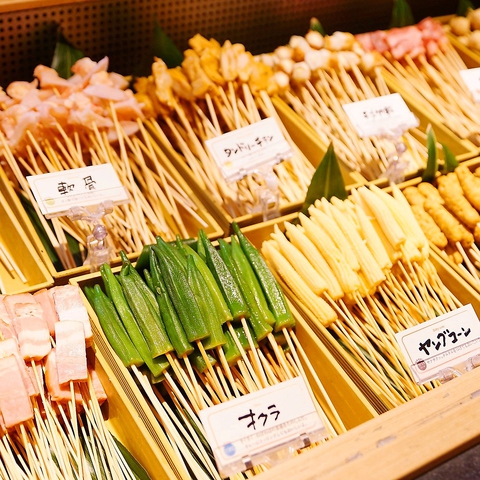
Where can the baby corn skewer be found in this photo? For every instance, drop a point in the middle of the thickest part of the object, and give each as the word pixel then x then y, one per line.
pixel 377 299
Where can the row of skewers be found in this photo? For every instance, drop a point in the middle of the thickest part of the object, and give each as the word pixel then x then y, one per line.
pixel 360 268
pixel 160 202
pixel 448 211
pixel 225 331
pixel 51 422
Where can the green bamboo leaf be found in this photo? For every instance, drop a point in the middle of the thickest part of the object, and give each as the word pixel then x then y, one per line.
pixel 327 181
pixel 463 7
pixel 137 469
pixel 432 159
pixel 64 56
pixel 450 162
pixel 164 48
pixel 316 26
pixel 402 15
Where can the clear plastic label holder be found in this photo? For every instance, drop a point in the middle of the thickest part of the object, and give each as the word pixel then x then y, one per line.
pixel 274 456
pixel 397 163
pixel 82 194
pixel 253 150
pixel 99 250
pixel 265 427
pixel 447 374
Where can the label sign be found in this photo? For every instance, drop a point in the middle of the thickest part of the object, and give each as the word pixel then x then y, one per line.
pixel 259 422
pixel 380 115
pixel 243 151
pixel 57 192
pixel 471 77
pixel 443 342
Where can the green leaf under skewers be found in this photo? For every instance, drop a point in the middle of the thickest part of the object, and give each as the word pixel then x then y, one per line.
pixel 463 7
pixel 432 159
pixel 164 48
pixel 135 467
pixel 64 56
pixel 316 26
pixel 450 162
pixel 327 181
pixel 402 15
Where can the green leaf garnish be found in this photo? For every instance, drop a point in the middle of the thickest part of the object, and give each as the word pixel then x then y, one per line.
pixel 432 159
pixel 450 162
pixel 327 181
pixel 164 48
pixel 402 15
pixel 463 7
pixel 135 467
pixel 64 56
pixel 316 26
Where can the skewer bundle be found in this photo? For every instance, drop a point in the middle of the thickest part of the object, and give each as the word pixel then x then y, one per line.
pixel 219 89
pixel 51 423
pixel 158 202
pixel 360 267
pixel 245 346
pixel 448 211
pixel 325 73
pixel 466 29
pixel 426 66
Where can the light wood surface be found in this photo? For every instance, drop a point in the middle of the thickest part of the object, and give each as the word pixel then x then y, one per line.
pixel 401 443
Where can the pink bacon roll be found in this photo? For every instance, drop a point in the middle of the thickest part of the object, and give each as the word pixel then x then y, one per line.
pixel 58 393
pixel 45 299
pixel 97 386
pixel 71 352
pixel 15 405
pixel 9 346
pixel 31 327
pixel 6 327
pixel 69 306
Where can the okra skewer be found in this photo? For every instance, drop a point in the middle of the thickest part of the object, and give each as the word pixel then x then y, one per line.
pixel 194 306
pixel 232 294
pixel 284 320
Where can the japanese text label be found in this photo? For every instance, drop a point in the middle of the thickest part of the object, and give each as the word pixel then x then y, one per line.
pixel 57 192
pixel 380 116
pixel 444 341
pixel 471 78
pixel 243 151
pixel 260 422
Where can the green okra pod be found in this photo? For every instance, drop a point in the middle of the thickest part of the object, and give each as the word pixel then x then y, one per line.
pixel 113 328
pixel 273 293
pixel 155 365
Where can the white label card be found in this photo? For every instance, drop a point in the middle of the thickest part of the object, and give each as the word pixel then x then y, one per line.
pixel 381 116
pixel 243 151
pixel 471 77
pixel 442 342
pixel 259 422
pixel 57 192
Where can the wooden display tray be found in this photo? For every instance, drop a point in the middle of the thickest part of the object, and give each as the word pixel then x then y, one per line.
pixel 463 291
pixel 306 138
pixel 126 423
pixel 463 148
pixel 20 247
pixel 351 404
pixel 302 135
pixel 213 230
pixel 402 443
